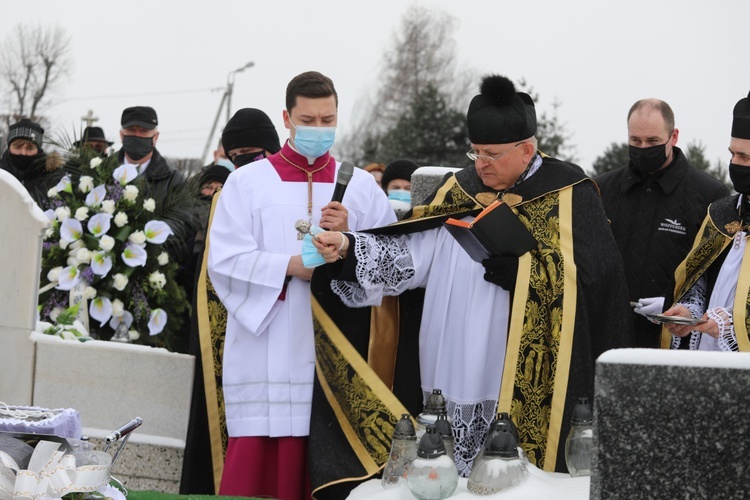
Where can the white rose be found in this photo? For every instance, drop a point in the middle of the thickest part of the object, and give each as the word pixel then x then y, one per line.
pixel 82 213
pixel 108 206
pixel 63 244
pixel 130 193
pixel 86 183
pixel 133 334
pixel 149 205
pixel 121 219
pixel 54 274
pixel 118 308
pixel 120 281
pixel 157 280
pixel 95 162
pixel 83 255
pixel 106 243
pixel 54 313
pixel 163 259
pixel 52 193
pixel 77 244
pixel 137 238
pixel 90 293
pixel 62 213
pixel 49 232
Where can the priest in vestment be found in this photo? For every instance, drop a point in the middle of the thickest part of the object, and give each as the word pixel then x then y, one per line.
pixel 255 266
pixel 713 282
pixel 512 334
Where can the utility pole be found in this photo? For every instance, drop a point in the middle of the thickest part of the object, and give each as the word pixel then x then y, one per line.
pixel 226 98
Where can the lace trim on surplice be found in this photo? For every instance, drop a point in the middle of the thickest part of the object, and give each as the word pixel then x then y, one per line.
pixel 384 267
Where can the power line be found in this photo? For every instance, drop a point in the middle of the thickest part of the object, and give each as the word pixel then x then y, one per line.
pixel 169 92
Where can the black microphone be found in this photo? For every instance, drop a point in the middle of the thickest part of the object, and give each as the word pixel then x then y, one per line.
pixel 346 170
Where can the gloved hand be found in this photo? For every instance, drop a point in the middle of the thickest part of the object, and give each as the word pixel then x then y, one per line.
pixel 501 270
pixel 650 305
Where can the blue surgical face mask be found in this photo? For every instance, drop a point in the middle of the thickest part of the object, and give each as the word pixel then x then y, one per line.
pixel 226 163
pixel 313 141
pixel 400 195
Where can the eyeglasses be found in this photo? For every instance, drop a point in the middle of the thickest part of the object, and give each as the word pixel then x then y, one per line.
pixel 474 156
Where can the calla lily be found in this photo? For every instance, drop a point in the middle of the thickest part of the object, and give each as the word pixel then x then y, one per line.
pixel 50 214
pixel 99 224
pixel 96 196
pixel 101 310
pixel 134 255
pixel 126 318
pixel 101 263
pixel 157 322
pixel 157 231
pixel 69 277
pixel 64 185
pixel 71 230
pixel 125 173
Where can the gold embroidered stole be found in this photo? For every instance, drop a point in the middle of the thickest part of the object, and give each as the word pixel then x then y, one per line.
pixel 365 408
pixel 212 327
pixel 709 243
pixel 540 335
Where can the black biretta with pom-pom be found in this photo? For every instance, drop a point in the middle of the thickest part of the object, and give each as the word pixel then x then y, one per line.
pixel 499 114
pixel 741 119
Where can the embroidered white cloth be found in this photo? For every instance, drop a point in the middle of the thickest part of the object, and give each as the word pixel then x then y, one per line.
pixel 62 422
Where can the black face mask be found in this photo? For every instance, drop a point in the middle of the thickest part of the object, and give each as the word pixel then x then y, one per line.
pixel 137 147
pixel 23 162
pixel 648 160
pixel 246 158
pixel 740 176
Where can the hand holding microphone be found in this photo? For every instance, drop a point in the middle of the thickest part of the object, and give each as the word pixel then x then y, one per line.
pixel 335 216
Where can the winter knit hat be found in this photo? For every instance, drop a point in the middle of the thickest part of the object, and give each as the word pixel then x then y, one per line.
pixel 741 121
pixel 26 129
pixel 397 169
pixel 499 114
pixel 214 173
pixel 250 128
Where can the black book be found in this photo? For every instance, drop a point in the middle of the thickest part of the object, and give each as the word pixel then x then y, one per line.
pixel 495 231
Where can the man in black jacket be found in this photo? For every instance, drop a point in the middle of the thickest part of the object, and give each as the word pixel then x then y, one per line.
pixel 656 205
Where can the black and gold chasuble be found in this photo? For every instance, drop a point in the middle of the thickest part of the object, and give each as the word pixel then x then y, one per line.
pixel 569 305
pixel 712 243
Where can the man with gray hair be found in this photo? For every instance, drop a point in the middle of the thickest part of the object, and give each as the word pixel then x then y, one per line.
pixel 656 205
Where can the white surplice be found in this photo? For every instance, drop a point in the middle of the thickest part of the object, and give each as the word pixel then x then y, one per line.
pixel 464 328
pixel 269 354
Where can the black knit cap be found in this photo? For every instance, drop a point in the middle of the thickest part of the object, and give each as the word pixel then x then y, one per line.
pixel 214 173
pixel 250 128
pixel 26 129
pixel 499 114
pixel 398 169
pixel 741 121
pixel 92 134
pixel 139 116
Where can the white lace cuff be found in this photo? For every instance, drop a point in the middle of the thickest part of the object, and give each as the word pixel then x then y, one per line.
pixel 725 321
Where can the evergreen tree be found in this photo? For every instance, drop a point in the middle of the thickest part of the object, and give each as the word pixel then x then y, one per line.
pixel 615 156
pixel 430 132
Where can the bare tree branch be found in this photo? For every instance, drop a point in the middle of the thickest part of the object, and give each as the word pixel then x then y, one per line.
pixel 33 62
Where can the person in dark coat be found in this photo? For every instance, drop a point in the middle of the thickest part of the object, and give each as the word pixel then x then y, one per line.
pixel 28 163
pixel 656 205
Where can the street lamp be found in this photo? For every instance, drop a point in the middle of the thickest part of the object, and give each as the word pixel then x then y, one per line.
pixel 230 84
pixel 226 98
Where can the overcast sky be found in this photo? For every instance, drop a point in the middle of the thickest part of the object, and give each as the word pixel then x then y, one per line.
pixel 596 58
